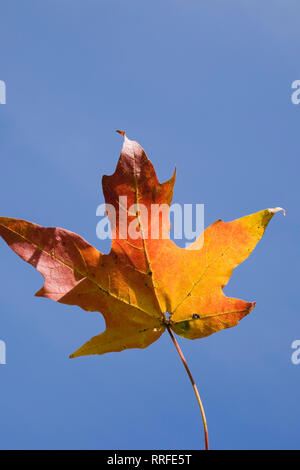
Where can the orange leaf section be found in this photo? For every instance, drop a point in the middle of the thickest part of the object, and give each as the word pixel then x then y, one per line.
pixel 144 277
pixel 75 273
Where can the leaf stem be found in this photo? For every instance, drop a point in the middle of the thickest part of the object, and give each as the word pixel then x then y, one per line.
pixel 193 384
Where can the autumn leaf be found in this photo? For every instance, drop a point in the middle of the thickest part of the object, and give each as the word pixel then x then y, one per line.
pixel 134 285
pixel 146 284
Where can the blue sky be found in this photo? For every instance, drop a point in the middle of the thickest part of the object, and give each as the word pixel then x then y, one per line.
pixel 203 85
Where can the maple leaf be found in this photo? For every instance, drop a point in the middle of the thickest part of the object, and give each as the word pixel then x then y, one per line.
pixel 146 284
pixel 142 278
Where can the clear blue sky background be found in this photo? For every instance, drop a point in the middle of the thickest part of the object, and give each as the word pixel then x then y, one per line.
pixel 205 85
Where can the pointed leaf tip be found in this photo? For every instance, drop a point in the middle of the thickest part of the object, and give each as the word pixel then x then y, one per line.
pixel 123 133
pixel 276 209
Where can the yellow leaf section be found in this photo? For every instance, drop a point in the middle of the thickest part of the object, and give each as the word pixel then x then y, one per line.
pixel 125 335
pixel 204 309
